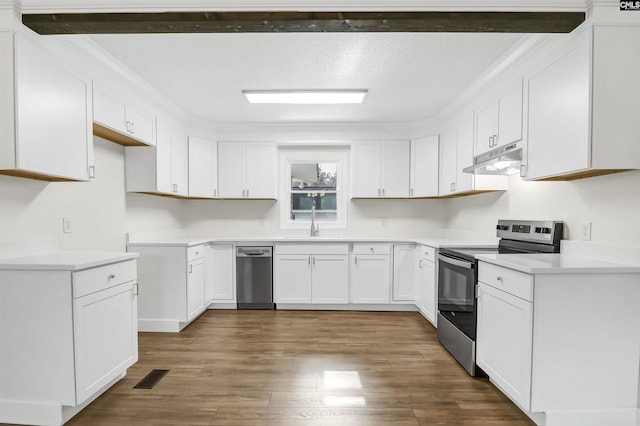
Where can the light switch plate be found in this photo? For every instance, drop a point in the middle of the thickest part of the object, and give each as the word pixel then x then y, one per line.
pixel 66 225
pixel 586 231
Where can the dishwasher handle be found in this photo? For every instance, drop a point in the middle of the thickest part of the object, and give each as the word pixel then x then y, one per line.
pixel 254 251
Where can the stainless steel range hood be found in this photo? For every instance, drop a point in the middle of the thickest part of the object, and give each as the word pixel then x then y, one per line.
pixel 503 160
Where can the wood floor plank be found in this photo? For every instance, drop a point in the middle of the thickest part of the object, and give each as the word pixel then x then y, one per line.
pixel 301 368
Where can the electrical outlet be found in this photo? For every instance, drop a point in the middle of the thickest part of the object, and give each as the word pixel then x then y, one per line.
pixel 586 231
pixel 66 225
pixel 383 222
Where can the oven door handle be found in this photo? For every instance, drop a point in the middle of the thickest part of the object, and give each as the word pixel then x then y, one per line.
pixel 460 263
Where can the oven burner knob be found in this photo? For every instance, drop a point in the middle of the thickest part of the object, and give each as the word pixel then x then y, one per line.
pixel 543 230
pixel 502 227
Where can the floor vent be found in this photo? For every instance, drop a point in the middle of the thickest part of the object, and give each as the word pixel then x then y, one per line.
pixel 151 379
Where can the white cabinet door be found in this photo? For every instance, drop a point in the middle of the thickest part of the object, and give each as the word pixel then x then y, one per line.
pixel 164 182
pixel 330 279
pixel 219 284
pixel 140 125
pixel 424 167
pixel 260 160
pixel 427 289
pixel 108 111
pixel 395 169
pixel 504 341
pixel 231 182
pixel 558 133
pixel 371 280
pixel 52 119
pixel 403 272
pixel 179 164
pixel 195 288
pixel 203 168
pixel 366 180
pixel 486 127
pixel 105 337
pixel 510 112
pixel 464 156
pixel 448 153
pixel 292 278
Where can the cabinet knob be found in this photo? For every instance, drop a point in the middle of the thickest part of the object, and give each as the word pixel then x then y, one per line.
pixel 499 278
pixel 112 276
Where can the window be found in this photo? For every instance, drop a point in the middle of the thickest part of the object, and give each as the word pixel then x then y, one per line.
pixel 313 181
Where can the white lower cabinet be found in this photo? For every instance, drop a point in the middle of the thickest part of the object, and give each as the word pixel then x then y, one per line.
pixel 311 273
pixel 404 257
pixel 219 284
pixel 172 286
pixel 77 337
pixel 426 289
pixel 504 338
pixel 537 341
pixel 371 274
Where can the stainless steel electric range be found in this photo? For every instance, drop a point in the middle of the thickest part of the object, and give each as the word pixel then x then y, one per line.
pixel 457 281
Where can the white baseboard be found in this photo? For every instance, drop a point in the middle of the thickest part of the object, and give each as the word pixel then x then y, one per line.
pixel 346 307
pixel 159 325
pixel 223 306
pixel 618 417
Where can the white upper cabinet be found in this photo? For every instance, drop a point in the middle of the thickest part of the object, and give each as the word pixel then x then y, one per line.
pixel 120 122
pixel 203 168
pixel 380 169
pixel 424 167
pixel 582 105
pixel 45 115
pixel 247 170
pixel 499 121
pixel 162 169
pixel 456 153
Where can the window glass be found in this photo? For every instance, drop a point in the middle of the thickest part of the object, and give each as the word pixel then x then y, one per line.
pixel 314 185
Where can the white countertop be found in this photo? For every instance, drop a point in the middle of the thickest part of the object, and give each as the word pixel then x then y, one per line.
pixel 428 241
pixel 65 260
pixel 557 264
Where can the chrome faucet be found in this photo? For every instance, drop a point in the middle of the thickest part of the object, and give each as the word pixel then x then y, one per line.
pixel 314 226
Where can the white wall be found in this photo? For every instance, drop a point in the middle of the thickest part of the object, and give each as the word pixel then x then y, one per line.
pixel 33 210
pixel 610 202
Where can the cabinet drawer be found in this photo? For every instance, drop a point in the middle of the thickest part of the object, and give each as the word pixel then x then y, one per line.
pixel 312 248
pixel 371 248
pixel 96 279
pixel 427 252
pixel 508 280
pixel 195 252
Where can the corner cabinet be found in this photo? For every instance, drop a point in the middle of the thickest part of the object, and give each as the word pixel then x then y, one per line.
pixel 219 282
pixel 247 170
pixel 371 274
pixel 172 286
pixel 45 115
pixel 404 273
pixel 456 153
pixel 119 121
pixel 582 105
pixel 380 169
pixel 162 169
pixel 77 337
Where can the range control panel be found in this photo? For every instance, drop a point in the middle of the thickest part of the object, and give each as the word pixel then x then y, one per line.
pixel 547 231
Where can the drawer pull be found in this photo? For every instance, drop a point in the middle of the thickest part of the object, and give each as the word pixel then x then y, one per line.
pixel 112 276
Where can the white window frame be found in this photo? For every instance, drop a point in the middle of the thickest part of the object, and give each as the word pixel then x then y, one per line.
pixel 288 156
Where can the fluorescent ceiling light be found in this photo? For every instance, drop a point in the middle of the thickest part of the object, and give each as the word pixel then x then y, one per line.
pixel 308 97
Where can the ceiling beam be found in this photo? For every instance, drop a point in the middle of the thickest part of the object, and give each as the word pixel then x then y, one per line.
pixel 302 22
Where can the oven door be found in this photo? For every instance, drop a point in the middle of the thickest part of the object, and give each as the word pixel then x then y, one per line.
pixel 457 293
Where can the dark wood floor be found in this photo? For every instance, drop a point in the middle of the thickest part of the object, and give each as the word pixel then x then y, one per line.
pixel 301 368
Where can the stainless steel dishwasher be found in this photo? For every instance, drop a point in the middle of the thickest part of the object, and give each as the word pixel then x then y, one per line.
pixel 254 277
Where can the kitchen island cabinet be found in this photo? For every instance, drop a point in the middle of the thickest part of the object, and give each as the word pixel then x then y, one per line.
pixel 172 286
pixel 76 317
pixel 45 115
pixel 537 341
